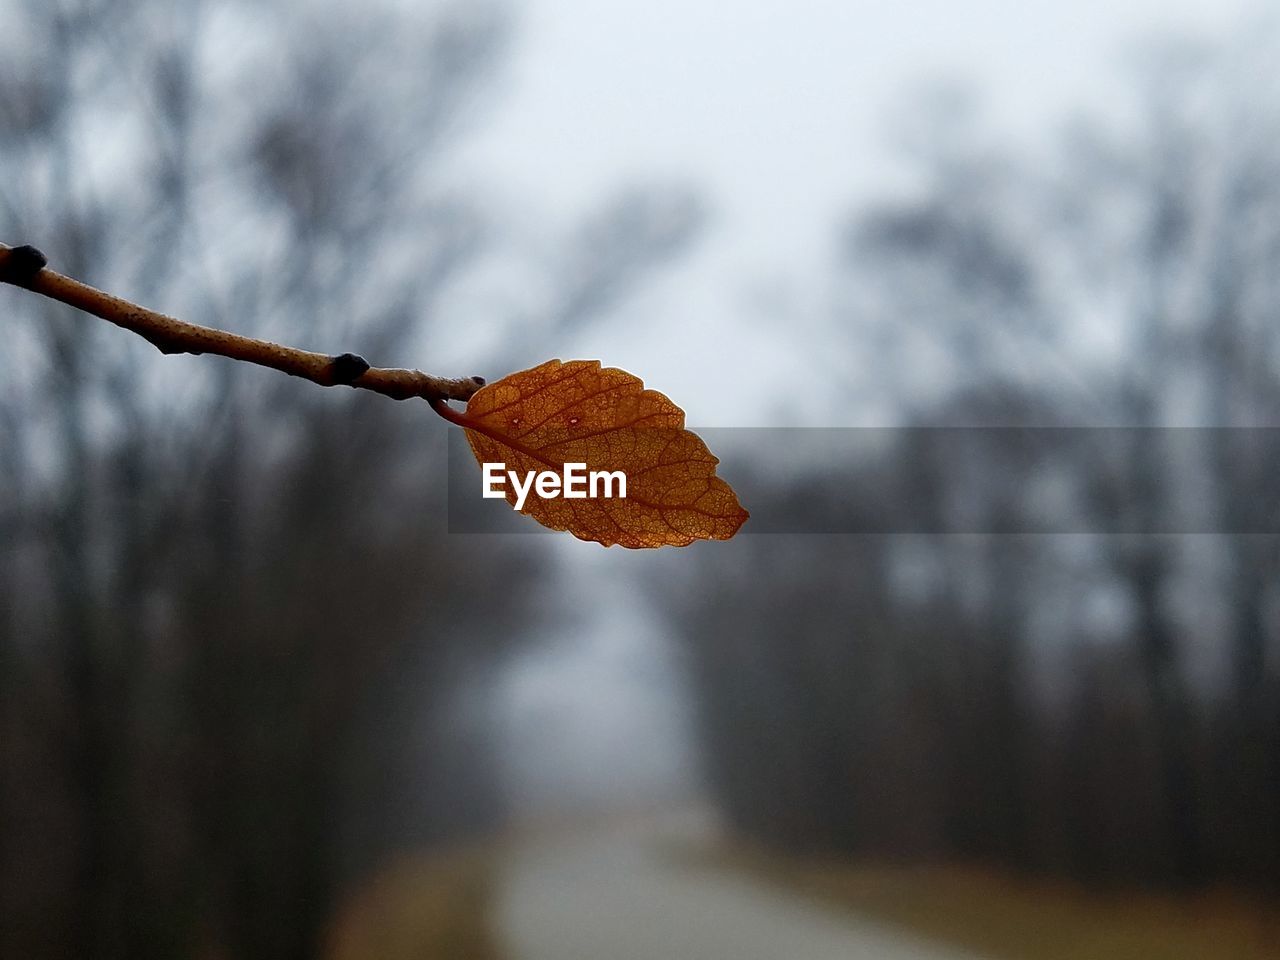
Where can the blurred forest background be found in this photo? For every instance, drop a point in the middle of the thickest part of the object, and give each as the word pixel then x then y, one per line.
pixel 243 666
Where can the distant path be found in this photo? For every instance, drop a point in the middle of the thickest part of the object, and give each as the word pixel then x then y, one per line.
pixel 618 896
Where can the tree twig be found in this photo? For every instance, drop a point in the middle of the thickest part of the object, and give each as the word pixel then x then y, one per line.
pixel 25 267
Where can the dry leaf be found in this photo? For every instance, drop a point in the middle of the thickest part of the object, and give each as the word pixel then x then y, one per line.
pixel 578 412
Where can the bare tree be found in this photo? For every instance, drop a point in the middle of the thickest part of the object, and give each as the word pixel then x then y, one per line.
pixel 957 695
pixel 235 636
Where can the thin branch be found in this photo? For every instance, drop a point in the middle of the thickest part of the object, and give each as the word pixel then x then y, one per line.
pixel 25 267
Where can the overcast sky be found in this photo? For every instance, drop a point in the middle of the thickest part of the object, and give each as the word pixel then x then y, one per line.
pixel 776 110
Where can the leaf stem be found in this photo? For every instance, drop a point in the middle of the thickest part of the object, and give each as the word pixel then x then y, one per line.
pixel 25 267
pixel 441 406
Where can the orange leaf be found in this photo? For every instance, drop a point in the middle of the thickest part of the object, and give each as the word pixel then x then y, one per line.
pixel 580 413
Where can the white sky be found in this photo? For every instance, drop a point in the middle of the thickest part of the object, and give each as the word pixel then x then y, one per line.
pixel 777 110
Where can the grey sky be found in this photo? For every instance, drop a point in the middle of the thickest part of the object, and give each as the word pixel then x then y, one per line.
pixel 777 110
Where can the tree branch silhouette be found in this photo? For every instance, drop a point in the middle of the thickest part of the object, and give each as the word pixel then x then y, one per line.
pixel 25 267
